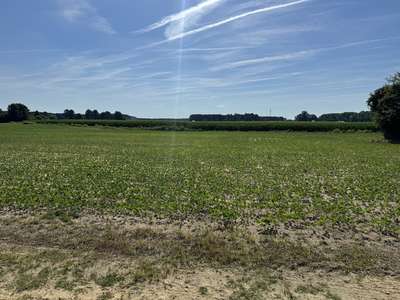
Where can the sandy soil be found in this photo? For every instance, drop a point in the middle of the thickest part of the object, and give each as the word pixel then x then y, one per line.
pixel 30 243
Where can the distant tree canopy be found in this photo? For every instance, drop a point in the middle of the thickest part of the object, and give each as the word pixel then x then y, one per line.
pixel 91 114
pixel 37 115
pixel 95 115
pixel 3 116
pixel 234 117
pixel 363 116
pixel 118 115
pixel 69 114
pixel 17 112
pixel 385 104
pixel 305 116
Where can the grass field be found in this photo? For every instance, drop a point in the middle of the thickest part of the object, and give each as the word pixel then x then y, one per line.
pixel 92 212
pixel 271 178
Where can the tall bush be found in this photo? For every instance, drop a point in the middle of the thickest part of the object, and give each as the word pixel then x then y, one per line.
pixel 385 104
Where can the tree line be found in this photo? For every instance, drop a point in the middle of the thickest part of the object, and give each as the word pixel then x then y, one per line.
pixel 233 117
pixel 93 115
pixel 383 102
pixel 363 116
pixel 17 112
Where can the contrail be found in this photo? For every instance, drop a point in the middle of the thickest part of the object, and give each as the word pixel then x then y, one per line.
pixel 193 11
pixel 289 56
pixel 299 54
pixel 234 18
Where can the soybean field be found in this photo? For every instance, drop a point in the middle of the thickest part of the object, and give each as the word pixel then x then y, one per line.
pixel 266 178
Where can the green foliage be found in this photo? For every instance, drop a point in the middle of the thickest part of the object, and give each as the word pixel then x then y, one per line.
pixel 3 117
pixel 17 112
pixel 234 117
pixel 363 116
pixel 95 115
pixel 37 115
pixel 273 177
pixel 109 280
pixel 305 117
pixel 69 114
pixel 118 115
pixel 26 282
pixel 385 103
pixel 224 125
pixel 203 290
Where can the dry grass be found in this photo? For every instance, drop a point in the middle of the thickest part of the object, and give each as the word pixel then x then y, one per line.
pixel 111 254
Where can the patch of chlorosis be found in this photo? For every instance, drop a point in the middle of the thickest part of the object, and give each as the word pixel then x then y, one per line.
pixel 267 177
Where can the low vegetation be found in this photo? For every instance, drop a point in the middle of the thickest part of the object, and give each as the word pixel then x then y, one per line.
pixel 225 125
pixel 113 213
pixel 233 177
pixel 105 254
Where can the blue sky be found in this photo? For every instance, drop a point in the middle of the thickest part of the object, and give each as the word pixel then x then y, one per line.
pixel 171 58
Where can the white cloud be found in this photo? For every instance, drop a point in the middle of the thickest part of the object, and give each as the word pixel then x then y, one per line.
pixel 214 49
pixel 81 11
pixel 256 61
pixel 232 19
pixel 185 19
pixel 294 55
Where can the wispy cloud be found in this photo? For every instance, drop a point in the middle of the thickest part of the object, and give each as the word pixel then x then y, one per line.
pixel 295 55
pixel 184 19
pixel 283 57
pixel 82 11
pixel 234 18
pixel 28 51
pixel 216 49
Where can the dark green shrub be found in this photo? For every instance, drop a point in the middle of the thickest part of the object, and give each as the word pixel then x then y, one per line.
pixel 385 103
pixel 17 112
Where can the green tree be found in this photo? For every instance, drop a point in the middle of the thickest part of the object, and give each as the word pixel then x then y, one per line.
pixel 385 104
pixel 88 114
pixel 106 115
pixel 3 116
pixel 17 112
pixel 69 114
pixel 95 114
pixel 305 116
pixel 118 115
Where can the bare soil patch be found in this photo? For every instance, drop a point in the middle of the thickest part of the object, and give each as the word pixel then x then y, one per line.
pixel 47 255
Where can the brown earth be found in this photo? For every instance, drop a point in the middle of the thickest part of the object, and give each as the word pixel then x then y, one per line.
pixel 51 255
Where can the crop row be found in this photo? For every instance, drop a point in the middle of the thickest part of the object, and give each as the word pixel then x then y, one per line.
pixel 266 177
pixel 226 125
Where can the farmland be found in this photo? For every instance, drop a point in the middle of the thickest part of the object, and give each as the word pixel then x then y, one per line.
pixel 265 177
pixel 200 193
pixel 181 125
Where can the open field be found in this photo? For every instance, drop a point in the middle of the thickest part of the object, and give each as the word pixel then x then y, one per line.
pixel 272 178
pixel 117 213
pixel 226 125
